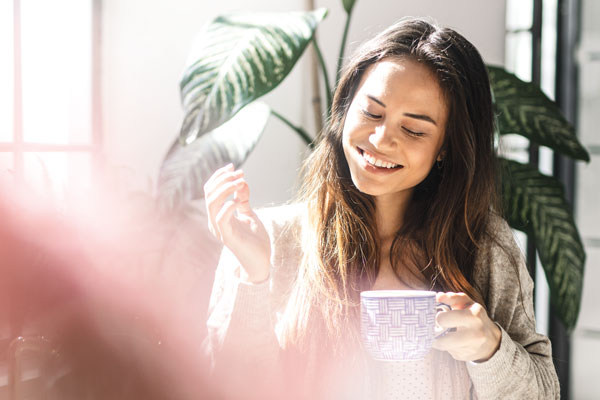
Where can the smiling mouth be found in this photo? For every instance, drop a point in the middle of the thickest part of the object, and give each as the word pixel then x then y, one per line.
pixel 375 162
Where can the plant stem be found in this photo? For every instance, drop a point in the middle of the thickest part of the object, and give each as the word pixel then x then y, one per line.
pixel 316 91
pixel 325 76
pixel 314 77
pixel 301 132
pixel 338 70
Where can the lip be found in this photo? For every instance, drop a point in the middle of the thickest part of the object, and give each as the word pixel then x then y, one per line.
pixel 374 169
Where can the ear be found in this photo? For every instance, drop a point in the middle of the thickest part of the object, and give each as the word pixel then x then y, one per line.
pixel 441 155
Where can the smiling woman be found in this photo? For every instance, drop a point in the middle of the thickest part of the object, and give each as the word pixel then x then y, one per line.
pixel 400 193
pixel 391 141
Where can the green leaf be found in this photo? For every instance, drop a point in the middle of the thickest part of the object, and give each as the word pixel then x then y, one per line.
pixel 536 204
pixel 187 167
pixel 524 109
pixel 239 58
pixel 348 5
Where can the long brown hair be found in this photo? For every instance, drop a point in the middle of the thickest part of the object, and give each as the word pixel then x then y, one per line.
pixel 447 217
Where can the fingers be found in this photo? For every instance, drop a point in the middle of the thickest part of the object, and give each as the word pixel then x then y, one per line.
pixel 242 197
pixel 465 312
pixel 208 186
pixel 220 176
pixel 454 318
pixel 221 185
pixel 216 198
pixel 222 219
pixel 457 339
pixel 454 342
pixel 224 183
pixel 457 301
pixel 464 344
pixel 476 336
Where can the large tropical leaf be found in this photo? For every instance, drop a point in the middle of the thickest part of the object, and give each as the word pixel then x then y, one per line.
pixel 524 109
pixel 187 167
pixel 239 58
pixel 535 203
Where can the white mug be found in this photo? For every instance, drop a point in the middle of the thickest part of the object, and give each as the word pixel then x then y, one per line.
pixel 399 324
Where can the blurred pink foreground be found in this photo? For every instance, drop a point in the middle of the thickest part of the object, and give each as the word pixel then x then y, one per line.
pixel 104 301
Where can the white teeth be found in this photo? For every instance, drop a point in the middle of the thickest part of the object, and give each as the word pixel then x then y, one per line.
pixel 378 163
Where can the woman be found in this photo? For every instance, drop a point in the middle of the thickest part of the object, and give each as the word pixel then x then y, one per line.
pixel 400 193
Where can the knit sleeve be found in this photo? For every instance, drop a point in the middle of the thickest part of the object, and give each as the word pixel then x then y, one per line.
pixel 241 342
pixel 522 367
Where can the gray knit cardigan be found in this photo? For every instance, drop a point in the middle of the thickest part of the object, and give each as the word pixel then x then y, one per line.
pixel 249 361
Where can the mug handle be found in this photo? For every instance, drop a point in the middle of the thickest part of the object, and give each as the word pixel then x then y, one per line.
pixel 442 307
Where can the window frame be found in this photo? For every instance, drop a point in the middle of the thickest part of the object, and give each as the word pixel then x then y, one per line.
pixel 18 147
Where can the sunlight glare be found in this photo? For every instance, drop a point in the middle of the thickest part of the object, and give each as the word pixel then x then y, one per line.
pixel 6 70
pixel 56 65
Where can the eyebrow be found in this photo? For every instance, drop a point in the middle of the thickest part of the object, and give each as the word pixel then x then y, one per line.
pixel 421 117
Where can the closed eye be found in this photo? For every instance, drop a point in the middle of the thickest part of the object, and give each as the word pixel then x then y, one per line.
pixel 370 115
pixel 413 133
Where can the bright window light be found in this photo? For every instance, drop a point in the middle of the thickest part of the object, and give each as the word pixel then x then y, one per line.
pixel 6 71
pixel 519 14
pixel 46 138
pixel 56 39
pixel 518 54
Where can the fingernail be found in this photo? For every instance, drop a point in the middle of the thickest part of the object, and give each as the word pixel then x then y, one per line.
pixel 229 166
pixel 239 172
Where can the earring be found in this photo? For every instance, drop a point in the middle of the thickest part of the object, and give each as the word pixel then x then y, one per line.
pixel 439 164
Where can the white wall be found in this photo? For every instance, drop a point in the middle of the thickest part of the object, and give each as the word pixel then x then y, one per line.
pixel 145 45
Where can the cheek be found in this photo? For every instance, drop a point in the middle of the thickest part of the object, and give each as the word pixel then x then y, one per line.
pixel 346 133
pixel 424 159
pixel 428 156
pixel 347 138
pixel 354 124
pixel 347 148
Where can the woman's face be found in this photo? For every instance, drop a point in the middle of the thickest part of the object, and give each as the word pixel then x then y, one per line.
pixel 394 128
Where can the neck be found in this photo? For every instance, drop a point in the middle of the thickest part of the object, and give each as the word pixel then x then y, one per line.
pixel 389 214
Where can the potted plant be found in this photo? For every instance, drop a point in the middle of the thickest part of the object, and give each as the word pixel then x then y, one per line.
pixel 241 57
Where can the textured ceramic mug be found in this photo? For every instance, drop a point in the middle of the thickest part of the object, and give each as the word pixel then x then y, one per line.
pixel 399 324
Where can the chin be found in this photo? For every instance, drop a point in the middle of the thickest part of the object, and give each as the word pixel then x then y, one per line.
pixel 370 189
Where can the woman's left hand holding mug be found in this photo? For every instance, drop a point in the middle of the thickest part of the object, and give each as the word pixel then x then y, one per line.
pixel 477 337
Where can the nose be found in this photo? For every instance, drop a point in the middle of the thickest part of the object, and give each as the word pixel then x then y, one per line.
pixel 382 137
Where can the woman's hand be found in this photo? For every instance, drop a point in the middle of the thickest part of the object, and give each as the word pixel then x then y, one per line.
pixel 242 231
pixel 477 337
